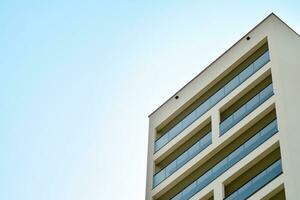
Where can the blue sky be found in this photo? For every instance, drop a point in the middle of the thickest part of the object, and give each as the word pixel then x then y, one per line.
pixel 79 78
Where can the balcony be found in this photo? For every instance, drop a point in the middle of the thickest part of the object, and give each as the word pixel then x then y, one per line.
pixel 257 182
pixel 181 160
pixel 212 100
pixel 246 109
pixel 234 157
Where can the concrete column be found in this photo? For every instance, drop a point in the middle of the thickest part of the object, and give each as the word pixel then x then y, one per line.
pixel 215 121
pixel 219 193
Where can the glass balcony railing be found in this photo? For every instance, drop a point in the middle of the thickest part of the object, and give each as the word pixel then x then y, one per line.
pixel 212 100
pixel 186 156
pixel 246 109
pixel 235 156
pixel 257 182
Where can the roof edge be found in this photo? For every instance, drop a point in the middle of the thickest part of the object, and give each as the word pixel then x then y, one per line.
pixel 268 16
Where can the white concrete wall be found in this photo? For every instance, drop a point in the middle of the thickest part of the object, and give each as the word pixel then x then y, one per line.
pixel 284 47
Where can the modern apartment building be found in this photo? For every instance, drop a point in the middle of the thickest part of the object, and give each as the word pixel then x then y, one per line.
pixel 233 131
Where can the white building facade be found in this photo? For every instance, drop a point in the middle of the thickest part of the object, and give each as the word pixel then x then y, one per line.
pixel 232 132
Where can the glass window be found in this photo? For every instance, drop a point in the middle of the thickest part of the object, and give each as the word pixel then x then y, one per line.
pixel 252 142
pixel 244 190
pixel 206 140
pixel 182 159
pixel 239 114
pixel 253 103
pixel 203 108
pixel 188 190
pixel 159 177
pixel 161 142
pixel 177 197
pixel 262 60
pixel 217 97
pixel 273 126
pixel 185 157
pixel 226 124
pixel 202 181
pixel 259 177
pixel 171 168
pixel 258 63
pixel 194 150
pixel 187 121
pixel 220 167
pixel 246 73
pixel 266 93
pixel 266 57
pixel 267 129
pixel 270 129
pixel 231 85
pixel 174 131
pixel 257 182
pixel 245 109
pixel 235 156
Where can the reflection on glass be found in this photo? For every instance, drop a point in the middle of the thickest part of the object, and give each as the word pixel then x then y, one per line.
pixel 212 100
pixel 242 151
pixel 186 156
pixel 257 182
pixel 247 108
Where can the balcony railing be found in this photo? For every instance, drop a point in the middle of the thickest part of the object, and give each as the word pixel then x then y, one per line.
pixel 257 182
pixel 235 156
pixel 246 109
pixel 212 100
pixel 181 160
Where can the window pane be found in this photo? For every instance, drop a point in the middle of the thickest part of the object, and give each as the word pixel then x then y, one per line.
pixel 239 114
pixel 194 150
pixel 188 191
pixel 226 124
pixel 226 163
pixel 174 131
pixel 235 156
pixel 261 61
pixel 159 177
pixel 250 144
pixel 217 97
pixel 182 159
pixel 258 63
pixel 161 142
pixel 205 140
pixel 266 93
pixel 187 121
pixel 171 168
pixel 246 73
pixel 253 103
pixel 220 167
pixel 231 85
pixel 203 108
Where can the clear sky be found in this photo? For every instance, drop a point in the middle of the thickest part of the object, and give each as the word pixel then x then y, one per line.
pixel 79 78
